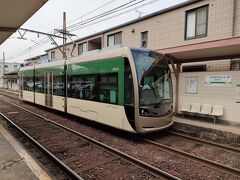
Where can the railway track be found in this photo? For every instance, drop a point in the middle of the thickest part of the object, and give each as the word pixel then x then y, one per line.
pixel 210 163
pixel 59 163
pixel 187 156
pixel 207 143
pixel 136 165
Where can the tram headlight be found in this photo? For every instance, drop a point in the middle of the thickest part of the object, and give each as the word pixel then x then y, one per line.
pixel 144 112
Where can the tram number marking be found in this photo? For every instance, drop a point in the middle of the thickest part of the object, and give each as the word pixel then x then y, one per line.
pixel 115 69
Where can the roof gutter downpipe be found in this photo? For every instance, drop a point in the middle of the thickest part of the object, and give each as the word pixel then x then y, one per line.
pixel 234 17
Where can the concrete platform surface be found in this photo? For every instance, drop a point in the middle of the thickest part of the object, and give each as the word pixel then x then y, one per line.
pixel 10 91
pixel 15 162
pixel 222 127
pixel 222 133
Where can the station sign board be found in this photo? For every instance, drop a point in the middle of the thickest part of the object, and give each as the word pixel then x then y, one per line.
pixel 218 80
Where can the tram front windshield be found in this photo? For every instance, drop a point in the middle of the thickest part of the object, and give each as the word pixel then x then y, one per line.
pixel 155 85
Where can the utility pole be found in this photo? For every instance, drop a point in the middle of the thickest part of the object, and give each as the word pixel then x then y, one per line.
pixel 64 36
pixel 65 59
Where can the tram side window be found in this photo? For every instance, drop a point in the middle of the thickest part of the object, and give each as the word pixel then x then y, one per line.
pixel 108 88
pixel 58 85
pixel 82 87
pixel 28 84
pixel 39 85
pixel 129 95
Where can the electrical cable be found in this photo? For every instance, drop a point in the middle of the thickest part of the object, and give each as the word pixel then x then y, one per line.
pixel 86 22
pixel 46 38
pixel 81 27
pixel 91 11
pixel 106 13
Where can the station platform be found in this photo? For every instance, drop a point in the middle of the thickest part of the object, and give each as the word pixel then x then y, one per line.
pixel 219 132
pixel 15 162
pixel 10 91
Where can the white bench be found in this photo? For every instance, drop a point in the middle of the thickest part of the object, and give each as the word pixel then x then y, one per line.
pixel 217 112
pixel 185 108
pixel 205 109
pixel 195 108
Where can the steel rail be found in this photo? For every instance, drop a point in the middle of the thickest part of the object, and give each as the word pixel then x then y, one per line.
pixel 190 156
pixel 10 92
pixel 147 167
pixel 63 166
pixel 211 144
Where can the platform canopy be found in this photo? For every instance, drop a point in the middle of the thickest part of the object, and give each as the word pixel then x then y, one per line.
pixel 228 48
pixel 14 13
pixel 206 51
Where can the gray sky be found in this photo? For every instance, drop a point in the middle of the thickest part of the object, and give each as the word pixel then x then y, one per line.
pixel 49 17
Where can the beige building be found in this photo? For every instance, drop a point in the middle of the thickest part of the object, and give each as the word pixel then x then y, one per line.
pixel 36 60
pixel 7 70
pixel 203 38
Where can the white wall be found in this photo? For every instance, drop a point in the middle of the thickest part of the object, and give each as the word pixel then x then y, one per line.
pixel 222 95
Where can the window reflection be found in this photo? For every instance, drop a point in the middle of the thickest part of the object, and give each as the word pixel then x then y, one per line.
pixel 82 87
pixel 28 84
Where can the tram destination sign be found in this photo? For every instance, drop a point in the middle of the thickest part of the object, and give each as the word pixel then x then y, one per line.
pixel 218 80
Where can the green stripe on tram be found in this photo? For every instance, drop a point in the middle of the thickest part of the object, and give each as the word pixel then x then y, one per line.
pixel 57 71
pixel 110 65
pixel 26 73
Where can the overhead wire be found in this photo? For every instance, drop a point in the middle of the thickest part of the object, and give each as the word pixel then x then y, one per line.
pixel 121 7
pixel 91 11
pixel 46 39
pixel 81 27
pixel 86 22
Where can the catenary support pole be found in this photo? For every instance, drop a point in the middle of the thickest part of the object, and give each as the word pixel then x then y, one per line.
pixel 65 59
pixel 177 87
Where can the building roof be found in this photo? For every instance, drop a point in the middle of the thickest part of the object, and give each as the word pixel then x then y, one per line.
pixel 14 13
pixel 36 57
pixel 205 51
pixel 15 72
pixel 162 11
pixel 218 49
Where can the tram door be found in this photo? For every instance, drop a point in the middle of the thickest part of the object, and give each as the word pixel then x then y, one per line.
pixel 48 90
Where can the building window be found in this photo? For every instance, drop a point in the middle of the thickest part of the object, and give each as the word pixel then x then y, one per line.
pixel 196 23
pixel 114 39
pixel 144 39
pixel 235 65
pixel 53 55
pixel 82 48
pixel 194 68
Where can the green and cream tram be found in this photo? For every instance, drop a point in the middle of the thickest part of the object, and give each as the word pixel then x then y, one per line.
pixel 126 88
